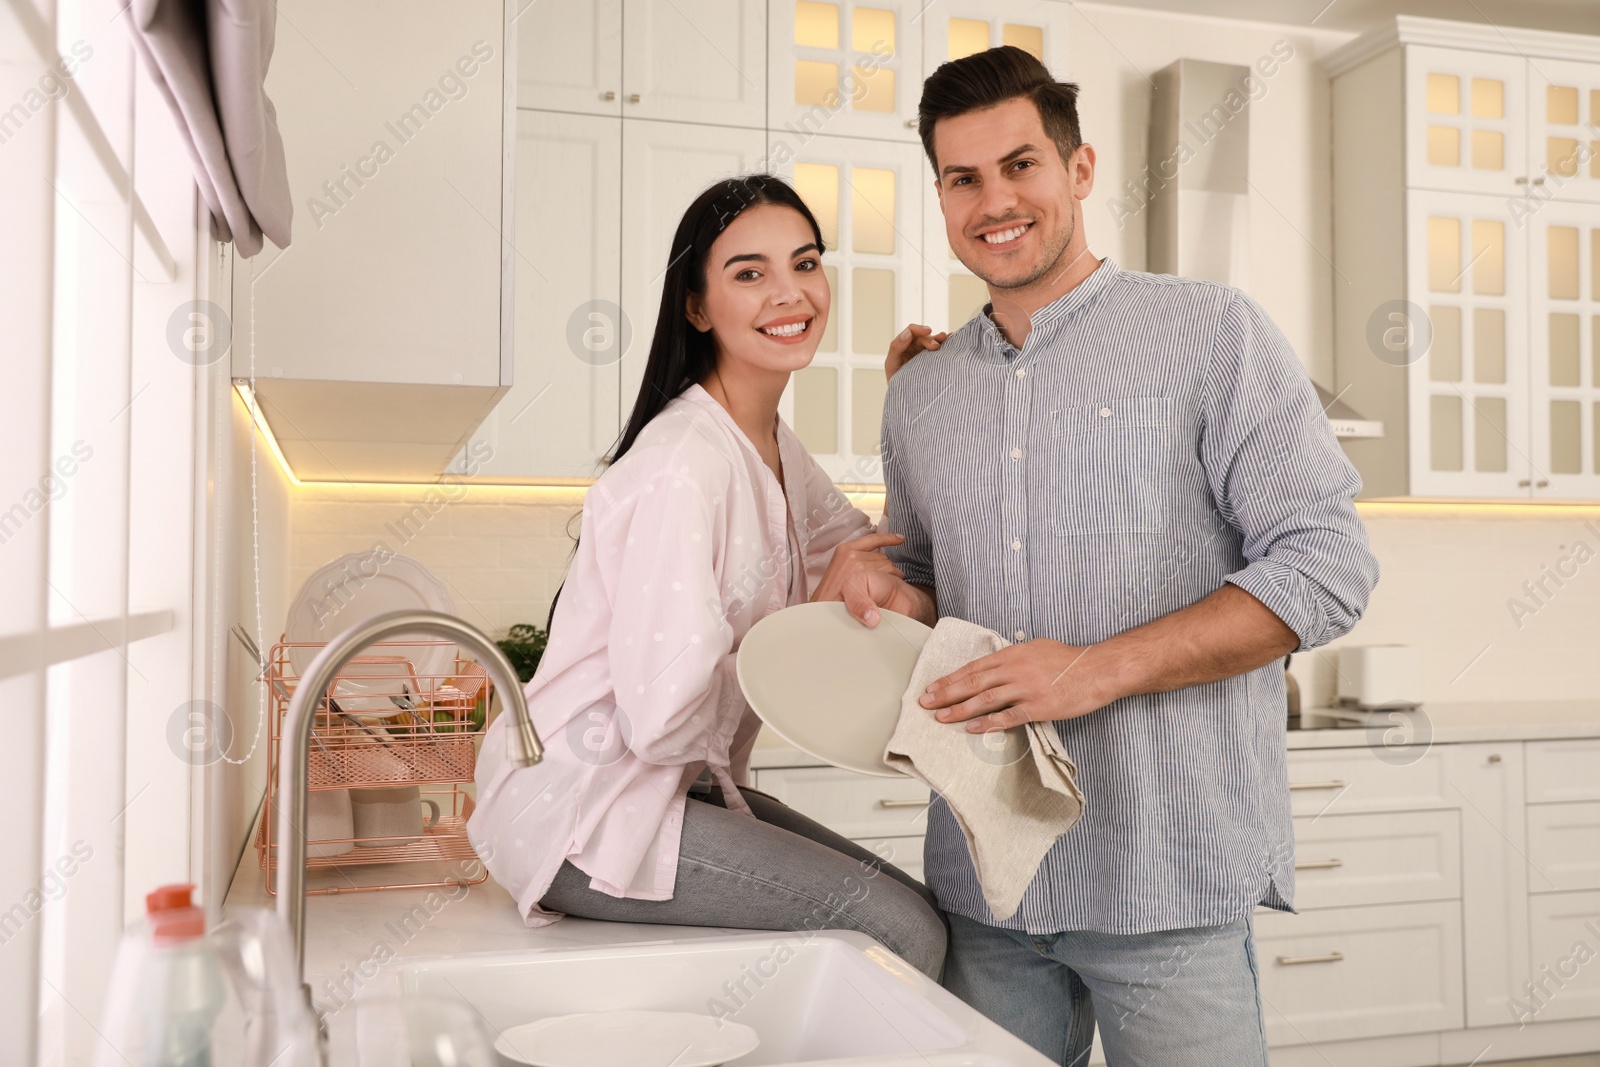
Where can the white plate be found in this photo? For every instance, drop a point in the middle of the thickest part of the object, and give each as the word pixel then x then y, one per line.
pixel 348 592
pixel 828 685
pixel 627 1039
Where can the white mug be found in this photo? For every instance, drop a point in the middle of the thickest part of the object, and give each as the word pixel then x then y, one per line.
pixel 390 812
pixel 330 823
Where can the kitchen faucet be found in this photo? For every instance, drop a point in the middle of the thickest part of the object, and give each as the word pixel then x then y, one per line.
pixel 523 748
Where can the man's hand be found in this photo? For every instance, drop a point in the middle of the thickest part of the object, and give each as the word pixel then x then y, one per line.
pixel 907 343
pixel 1226 634
pixel 1038 680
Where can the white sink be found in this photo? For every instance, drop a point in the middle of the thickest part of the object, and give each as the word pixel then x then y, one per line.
pixel 835 997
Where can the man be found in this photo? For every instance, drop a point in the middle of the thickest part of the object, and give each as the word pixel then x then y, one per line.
pixel 1130 477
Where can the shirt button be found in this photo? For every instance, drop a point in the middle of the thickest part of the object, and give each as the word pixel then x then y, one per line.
pixel 1016 453
pixel 1022 372
pixel 1016 545
pixel 1021 634
pixel 1105 413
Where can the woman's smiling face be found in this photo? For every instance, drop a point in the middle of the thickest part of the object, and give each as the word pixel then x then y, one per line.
pixel 766 299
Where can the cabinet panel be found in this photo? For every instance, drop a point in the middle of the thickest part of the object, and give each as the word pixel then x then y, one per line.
pixel 1564 130
pixel 569 56
pixel 868 200
pixel 855 805
pixel 1344 860
pixel 845 68
pixel 1467 272
pixel 1564 318
pixel 665 165
pixel 1565 967
pixel 696 61
pixel 1464 120
pixel 1487 779
pixel 1359 972
pixel 1563 770
pixel 560 416
pixel 1343 781
pixel 959 28
pixel 1564 846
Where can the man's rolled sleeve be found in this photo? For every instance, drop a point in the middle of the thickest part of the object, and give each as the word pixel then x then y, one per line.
pixel 1280 478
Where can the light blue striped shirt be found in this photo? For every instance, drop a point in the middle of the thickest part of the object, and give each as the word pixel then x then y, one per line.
pixel 1154 438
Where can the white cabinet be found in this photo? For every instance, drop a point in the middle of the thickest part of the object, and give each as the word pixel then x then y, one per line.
pixel 1341 974
pixel 1564 321
pixel 844 68
pixel 382 335
pixel 1465 120
pixel 686 60
pixel 569 56
pixel 1566 972
pixel 695 61
pixel 561 415
pixel 868 199
pixel 1564 129
pixel 1469 390
pixel 665 165
pixel 1465 213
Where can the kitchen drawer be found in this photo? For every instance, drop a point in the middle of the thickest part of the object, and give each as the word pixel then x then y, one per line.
pixel 1343 860
pixel 1563 770
pixel 1563 847
pixel 855 805
pixel 1346 973
pixel 1341 781
pixel 903 852
pixel 1565 946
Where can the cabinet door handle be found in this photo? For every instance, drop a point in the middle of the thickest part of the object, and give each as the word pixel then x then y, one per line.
pixel 1317 865
pixel 1522 181
pixel 1326 957
pixel 1538 181
pixel 887 803
pixel 609 94
pixel 1332 783
pixel 1542 483
pixel 633 98
pixel 1523 483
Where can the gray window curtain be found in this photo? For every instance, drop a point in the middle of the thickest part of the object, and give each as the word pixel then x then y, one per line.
pixel 209 58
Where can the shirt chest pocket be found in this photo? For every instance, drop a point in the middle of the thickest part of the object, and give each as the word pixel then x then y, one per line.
pixel 1110 466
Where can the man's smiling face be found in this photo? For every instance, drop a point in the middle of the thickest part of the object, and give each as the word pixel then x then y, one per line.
pixel 1009 199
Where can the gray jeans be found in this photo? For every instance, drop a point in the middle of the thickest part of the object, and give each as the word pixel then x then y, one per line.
pixel 778 871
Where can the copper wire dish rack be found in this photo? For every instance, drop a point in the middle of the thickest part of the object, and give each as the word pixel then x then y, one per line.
pixel 381 724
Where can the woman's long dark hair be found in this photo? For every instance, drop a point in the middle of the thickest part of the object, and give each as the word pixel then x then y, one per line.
pixel 680 355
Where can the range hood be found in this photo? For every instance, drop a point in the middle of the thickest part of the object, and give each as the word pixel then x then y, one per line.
pixel 1344 420
pixel 1198 177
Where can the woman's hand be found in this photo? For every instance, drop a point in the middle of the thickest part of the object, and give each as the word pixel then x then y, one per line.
pixel 851 558
pixel 907 343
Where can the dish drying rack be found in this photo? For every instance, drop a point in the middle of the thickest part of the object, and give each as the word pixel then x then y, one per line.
pixel 381 724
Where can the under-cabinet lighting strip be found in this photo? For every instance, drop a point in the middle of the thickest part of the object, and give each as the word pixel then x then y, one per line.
pixel 869 498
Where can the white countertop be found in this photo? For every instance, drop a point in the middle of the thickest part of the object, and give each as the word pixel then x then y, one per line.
pixel 1531 720
pixel 351 938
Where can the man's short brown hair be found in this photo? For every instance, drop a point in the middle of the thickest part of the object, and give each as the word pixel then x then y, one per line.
pixel 986 79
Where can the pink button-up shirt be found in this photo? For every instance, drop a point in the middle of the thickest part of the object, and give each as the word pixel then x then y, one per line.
pixel 685 544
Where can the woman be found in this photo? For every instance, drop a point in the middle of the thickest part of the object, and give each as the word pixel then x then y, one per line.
pixel 710 516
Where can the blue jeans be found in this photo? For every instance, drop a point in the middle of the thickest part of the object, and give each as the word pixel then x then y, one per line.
pixel 1176 997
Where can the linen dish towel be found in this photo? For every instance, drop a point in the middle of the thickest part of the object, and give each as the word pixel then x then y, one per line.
pixel 1013 792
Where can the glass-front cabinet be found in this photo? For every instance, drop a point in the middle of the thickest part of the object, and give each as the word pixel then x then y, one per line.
pixel 1466 234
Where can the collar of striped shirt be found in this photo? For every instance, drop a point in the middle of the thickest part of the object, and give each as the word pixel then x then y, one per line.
pixel 996 349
